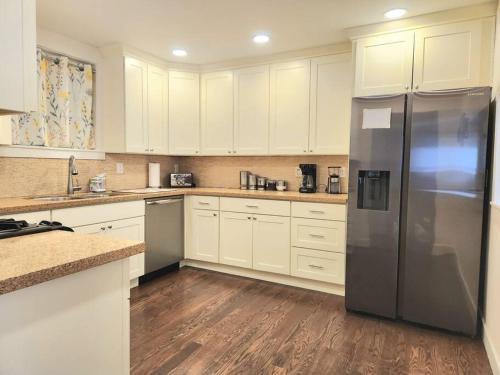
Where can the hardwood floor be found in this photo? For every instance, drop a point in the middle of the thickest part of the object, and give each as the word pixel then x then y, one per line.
pixel 201 322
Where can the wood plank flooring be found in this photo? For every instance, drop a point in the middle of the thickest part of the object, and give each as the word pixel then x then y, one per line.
pixel 201 322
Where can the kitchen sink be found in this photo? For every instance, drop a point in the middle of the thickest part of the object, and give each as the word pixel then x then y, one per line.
pixel 58 198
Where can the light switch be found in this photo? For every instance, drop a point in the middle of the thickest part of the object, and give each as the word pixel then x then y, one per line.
pixel 119 168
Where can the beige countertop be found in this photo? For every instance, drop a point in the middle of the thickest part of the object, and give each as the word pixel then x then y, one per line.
pixel 19 205
pixel 34 259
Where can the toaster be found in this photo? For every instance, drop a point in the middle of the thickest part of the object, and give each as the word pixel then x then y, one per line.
pixel 181 180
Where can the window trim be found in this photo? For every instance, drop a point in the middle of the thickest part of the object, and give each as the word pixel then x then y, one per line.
pixel 42 152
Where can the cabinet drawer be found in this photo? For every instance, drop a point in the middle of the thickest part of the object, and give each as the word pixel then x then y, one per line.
pixel 327 211
pixel 77 216
pixel 255 206
pixel 319 234
pixel 318 265
pixel 30 217
pixel 201 202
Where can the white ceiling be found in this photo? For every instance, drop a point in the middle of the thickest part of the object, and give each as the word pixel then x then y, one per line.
pixel 218 30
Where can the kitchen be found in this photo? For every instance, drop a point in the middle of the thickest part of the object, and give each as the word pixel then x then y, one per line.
pixel 225 187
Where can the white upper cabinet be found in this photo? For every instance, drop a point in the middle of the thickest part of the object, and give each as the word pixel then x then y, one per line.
pixel 18 78
pixel 289 107
pixel 251 111
pixel 448 56
pixel 136 100
pixel 384 64
pixel 217 113
pixel 331 84
pixel 157 110
pixel 184 113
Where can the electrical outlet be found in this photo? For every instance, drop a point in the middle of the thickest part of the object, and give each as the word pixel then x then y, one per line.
pixel 119 168
pixel 298 172
pixel 176 168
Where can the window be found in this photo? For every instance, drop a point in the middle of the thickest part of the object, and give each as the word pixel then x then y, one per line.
pixel 65 118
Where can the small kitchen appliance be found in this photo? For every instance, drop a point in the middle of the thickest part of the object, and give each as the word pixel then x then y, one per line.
pixel 308 184
pixel 271 185
pixel 97 184
pixel 281 185
pixel 181 180
pixel 333 185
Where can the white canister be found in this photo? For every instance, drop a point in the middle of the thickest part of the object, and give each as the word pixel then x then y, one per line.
pixel 154 175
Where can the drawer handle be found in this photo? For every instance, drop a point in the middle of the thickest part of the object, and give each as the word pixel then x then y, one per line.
pixel 110 227
pixel 103 228
pixel 316 211
pixel 316 235
pixel 316 267
pixel 252 206
pixel 200 202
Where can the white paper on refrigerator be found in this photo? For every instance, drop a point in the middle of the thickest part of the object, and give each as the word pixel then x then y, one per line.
pixel 378 118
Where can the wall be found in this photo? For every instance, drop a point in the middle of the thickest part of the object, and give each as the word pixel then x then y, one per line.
pixel 491 308
pixel 28 176
pixel 224 171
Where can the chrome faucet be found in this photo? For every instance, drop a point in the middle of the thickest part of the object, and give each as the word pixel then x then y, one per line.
pixel 72 171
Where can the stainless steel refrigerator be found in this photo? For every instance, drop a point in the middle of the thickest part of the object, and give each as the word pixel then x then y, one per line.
pixel 417 188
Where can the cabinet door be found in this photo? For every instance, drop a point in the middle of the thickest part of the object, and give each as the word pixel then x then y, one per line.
pixel 136 86
pixel 184 113
pixel 448 56
pixel 271 244
pixel 289 108
pixel 204 236
pixel 217 113
pixel 251 111
pixel 236 239
pixel 18 80
pixel 157 110
pixel 384 64
pixel 126 229
pixel 330 104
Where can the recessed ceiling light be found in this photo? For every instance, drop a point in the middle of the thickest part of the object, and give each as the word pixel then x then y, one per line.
pixel 179 52
pixel 261 38
pixel 395 13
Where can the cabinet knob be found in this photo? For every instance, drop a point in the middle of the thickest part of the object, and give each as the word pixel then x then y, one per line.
pixel 103 228
pixel 151 149
pixel 234 152
pixel 255 218
pixel 416 87
pixel 110 227
pixel 305 150
pixel 249 217
pixel 229 151
pixel 407 87
pixel 310 150
pixel 215 214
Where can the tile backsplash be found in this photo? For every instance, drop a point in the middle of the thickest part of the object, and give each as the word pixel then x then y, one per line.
pixel 31 176
pixel 224 171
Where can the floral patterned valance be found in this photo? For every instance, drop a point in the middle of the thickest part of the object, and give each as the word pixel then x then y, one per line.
pixel 65 117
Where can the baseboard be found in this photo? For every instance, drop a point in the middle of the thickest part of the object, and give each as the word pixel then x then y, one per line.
pixel 298 282
pixel 493 356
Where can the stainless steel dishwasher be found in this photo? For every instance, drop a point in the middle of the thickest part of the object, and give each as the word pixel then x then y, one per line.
pixel 164 232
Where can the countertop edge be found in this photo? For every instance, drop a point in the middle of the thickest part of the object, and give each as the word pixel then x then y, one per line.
pixel 34 206
pixel 37 277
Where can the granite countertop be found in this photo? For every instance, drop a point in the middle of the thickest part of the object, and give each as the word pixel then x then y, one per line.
pixel 36 258
pixel 20 205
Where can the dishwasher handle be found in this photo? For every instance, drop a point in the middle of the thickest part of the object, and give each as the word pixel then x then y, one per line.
pixel 163 201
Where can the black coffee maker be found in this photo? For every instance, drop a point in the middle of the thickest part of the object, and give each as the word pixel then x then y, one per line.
pixel 308 184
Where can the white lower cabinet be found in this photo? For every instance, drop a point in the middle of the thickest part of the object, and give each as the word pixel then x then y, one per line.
pixel 305 240
pixel 124 220
pixel 236 239
pixel 126 229
pixel 318 265
pixel 325 235
pixel 271 243
pixel 203 241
